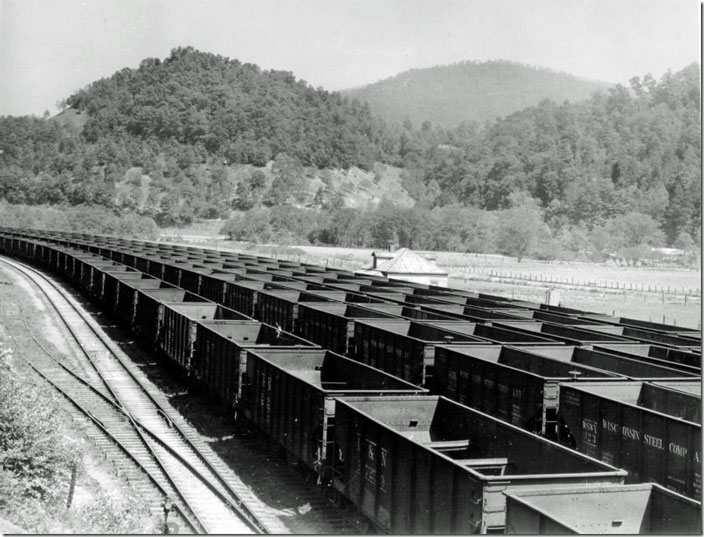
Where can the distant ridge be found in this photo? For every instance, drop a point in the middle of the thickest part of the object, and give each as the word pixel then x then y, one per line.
pixel 469 91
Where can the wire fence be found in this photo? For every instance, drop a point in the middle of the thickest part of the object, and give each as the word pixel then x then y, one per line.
pixel 557 281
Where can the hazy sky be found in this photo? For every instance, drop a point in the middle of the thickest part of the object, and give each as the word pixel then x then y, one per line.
pixel 51 48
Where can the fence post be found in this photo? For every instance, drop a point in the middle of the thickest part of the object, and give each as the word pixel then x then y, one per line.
pixel 71 486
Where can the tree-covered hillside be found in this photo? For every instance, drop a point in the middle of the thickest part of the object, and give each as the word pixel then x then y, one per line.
pixel 626 150
pixel 229 108
pixel 469 91
pixel 202 136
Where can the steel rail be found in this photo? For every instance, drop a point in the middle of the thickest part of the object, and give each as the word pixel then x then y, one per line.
pixel 197 525
pixel 234 502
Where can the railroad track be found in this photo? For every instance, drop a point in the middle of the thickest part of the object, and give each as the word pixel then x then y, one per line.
pixel 135 420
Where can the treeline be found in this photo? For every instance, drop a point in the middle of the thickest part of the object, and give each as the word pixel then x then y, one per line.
pixel 80 219
pixel 519 230
pixel 198 136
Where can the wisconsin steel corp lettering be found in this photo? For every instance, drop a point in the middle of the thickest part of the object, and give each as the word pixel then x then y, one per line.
pixel 653 441
pixel 630 433
pixel 677 449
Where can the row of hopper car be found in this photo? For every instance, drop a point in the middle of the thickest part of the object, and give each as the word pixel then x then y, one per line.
pixel 430 410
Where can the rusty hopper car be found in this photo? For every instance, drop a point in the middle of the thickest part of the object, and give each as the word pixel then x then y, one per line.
pixel 649 325
pixel 97 276
pixel 177 337
pixel 627 366
pixel 407 348
pixel 127 296
pixel 618 423
pixel 685 341
pixel 280 307
pixel 510 383
pixel 290 395
pixel 675 398
pixel 505 312
pixel 243 295
pixel 684 359
pixel 620 365
pixel 473 312
pixel 149 310
pixel 692 388
pixel 212 285
pixel 91 271
pixel 110 287
pixel 331 324
pixel 570 335
pixel 173 270
pixel 444 311
pixel 402 347
pixel 656 330
pixel 219 358
pixel 430 465
pixel 569 320
pixel 191 278
pixel 643 509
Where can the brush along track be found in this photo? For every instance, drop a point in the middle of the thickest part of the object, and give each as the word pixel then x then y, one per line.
pixel 136 418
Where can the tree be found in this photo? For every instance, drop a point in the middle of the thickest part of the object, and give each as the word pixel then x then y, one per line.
pixel 684 241
pixel 521 226
pixel 634 229
pixel 289 181
pixel 253 225
pixel 291 225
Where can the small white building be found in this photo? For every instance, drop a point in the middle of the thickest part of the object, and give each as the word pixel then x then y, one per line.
pixel 405 265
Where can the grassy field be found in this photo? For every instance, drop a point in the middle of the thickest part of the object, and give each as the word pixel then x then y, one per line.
pixel 634 304
pixel 669 295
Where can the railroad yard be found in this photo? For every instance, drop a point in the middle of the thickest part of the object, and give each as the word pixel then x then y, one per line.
pixel 664 294
pixel 215 391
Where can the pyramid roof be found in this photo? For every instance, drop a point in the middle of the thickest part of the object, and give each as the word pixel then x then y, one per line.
pixel 405 261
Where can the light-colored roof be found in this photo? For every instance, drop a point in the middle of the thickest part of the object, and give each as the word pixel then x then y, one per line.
pixel 404 261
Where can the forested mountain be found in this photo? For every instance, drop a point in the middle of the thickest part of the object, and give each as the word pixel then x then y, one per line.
pixel 469 91
pixel 226 107
pixel 201 136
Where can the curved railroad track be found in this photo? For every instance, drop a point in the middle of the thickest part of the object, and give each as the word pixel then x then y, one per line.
pixel 133 417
